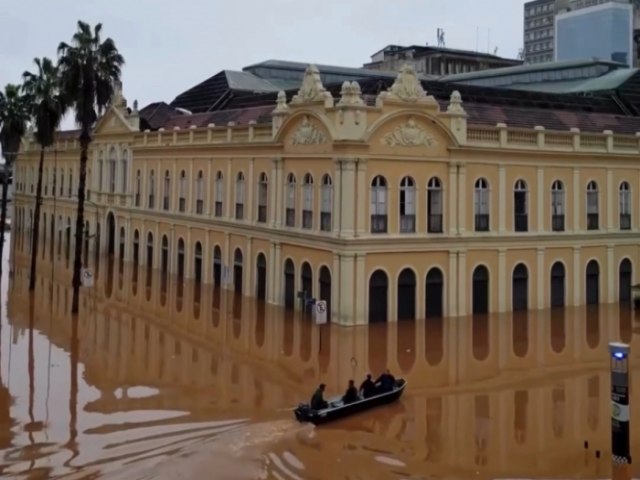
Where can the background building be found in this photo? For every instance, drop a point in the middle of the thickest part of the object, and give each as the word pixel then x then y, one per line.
pixel 539 32
pixel 602 31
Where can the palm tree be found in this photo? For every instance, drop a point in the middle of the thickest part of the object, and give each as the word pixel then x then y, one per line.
pixel 43 91
pixel 89 69
pixel 14 115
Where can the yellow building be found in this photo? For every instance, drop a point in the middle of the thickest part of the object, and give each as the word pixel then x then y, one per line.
pixel 388 205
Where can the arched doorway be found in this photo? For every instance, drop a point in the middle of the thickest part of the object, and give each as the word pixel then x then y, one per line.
pixel 111 234
pixel 520 288
pixel 217 266
pixel 164 261
pixel 480 290
pixel 237 271
pixel 197 263
pixel 593 283
pixel 306 283
pixel 261 277
pixel 624 281
pixel 557 293
pixel 289 284
pixel 324 284
pixel 378 296
pixel 433 295
pixel 406 307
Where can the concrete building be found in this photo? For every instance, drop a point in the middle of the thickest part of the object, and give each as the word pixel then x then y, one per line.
pixel 539 31
pixel 436 61
pixel 388 201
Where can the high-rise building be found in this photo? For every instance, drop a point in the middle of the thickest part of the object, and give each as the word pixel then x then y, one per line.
pixel 602 30
pixel 539 32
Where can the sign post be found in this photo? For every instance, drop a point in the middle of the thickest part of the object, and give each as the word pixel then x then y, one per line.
pixel 620 443
pixel 321 312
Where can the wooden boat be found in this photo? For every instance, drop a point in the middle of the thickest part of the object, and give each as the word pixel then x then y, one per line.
pixel 337 409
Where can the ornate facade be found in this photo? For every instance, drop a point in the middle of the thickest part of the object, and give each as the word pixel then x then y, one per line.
pixel 391 206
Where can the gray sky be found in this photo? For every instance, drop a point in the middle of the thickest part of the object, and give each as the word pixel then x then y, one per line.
pixel 171 46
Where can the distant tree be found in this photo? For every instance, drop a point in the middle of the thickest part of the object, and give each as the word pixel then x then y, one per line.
pixel 14 116
pixel 89 68
pixel 47 108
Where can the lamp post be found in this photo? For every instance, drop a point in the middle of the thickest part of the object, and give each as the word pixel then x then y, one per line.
pixel 620 442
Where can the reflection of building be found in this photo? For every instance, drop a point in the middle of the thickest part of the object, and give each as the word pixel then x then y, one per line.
pixel 429 60
pixel 503 395
pixel 604 31
pixel 386 201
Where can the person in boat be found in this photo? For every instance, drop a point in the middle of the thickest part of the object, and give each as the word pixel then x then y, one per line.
pixel 317 400
pixel 368 388
pixel 385 382
pixel 351 395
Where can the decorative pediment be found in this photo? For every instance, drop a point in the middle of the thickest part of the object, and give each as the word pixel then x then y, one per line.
pixel 308 134
pixel 114 121
pixel 311 89
pixel 407 88
pixel 351 95
pixel 409 134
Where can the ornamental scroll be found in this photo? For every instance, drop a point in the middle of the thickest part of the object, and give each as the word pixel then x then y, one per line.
pixel 409 135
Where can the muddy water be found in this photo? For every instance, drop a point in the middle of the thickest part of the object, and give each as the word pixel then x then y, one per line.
pixel 161 381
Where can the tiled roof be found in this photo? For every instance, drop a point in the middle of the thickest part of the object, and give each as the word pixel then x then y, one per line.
pixel 241 116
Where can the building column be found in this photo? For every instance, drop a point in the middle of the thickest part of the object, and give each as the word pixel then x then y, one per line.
pixel 361 197
pixel 577 277
pixel 189 255
pixel 502 280
pixel 609 198
pixel 207 259
pixel 452 203
pixel 227 267
pixel 228 185
pixel 209 194
pixel 576 199
pixel 248 269
pixel 336 290
pixel 540 276
pixel 463 283
pixel 452 287
pixel 337 196
pixel 540 200
pixel 360 289
pixel 275 193
pixel 250 188
pixel 462 207
pixel 277 273
pixel 347 274
pixel 611 275
pixel 502 199
pixel 271 269
pixel 348 195
pixel 173 250
pixel 190 207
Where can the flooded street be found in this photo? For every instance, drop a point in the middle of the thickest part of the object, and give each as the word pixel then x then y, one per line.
pixel 162 381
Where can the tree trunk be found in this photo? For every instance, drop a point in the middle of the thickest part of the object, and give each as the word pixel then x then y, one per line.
pixel 85 139
pixel 36 224
pixel 3 210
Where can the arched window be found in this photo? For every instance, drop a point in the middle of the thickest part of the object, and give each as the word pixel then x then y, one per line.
pixel 481 205
pixel 70 187
pixel 592 206
pixel 200 193
pixel 138 188
pixel 219 194
pixel 240 196
pixel 625 206
pixel 407 205
pixel 166 192
pixel 152 190
pixel 124 162
pixel 182 192
pixel 434 206
pixel 290 219
pixel 263 197
pixel 379 205
pixel 113 158
pixel 520 220
pixel 326 206
pixel 100 178
pixel 557 206
pixel 307 202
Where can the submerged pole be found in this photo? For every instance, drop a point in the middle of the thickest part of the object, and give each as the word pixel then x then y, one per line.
pixel 620 442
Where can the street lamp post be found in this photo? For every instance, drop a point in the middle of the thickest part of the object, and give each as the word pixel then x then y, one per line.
pixel 620 441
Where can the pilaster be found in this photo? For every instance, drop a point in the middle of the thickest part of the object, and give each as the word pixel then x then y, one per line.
pixel 502 199
pixel 228 209
pixel 540 277
pixel 337 196
pixel 452 204
pixel 609 199
pixel 463 283
pixel 361 197
pixel 462 204
pixel 250 188
pixel 611 275
pixel 248 269
pixel 276 193
pixel 347 276
pixel 227 266
pixel 360 289
pixel 502 280
pixel 271 272
pixel 578 281
pixel 452 287
pixel 336 291
pixel 576 199
pixel 540 200
pixel 348 204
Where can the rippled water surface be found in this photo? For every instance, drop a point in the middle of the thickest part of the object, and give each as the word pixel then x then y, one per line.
pixel 157 381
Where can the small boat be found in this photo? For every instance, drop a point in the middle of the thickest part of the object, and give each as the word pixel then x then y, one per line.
pixel 337 409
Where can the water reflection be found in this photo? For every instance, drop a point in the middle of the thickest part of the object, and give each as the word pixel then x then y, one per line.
pixel 147 371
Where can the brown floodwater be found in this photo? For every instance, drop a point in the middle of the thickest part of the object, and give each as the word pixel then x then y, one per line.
pixel 161 381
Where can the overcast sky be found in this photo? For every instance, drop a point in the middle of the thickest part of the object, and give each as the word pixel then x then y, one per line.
pixel 170 46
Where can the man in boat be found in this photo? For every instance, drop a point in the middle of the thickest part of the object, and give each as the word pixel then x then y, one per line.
pixel 351 395
pixel 368 388
pixel 317 401
pixel 385 382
